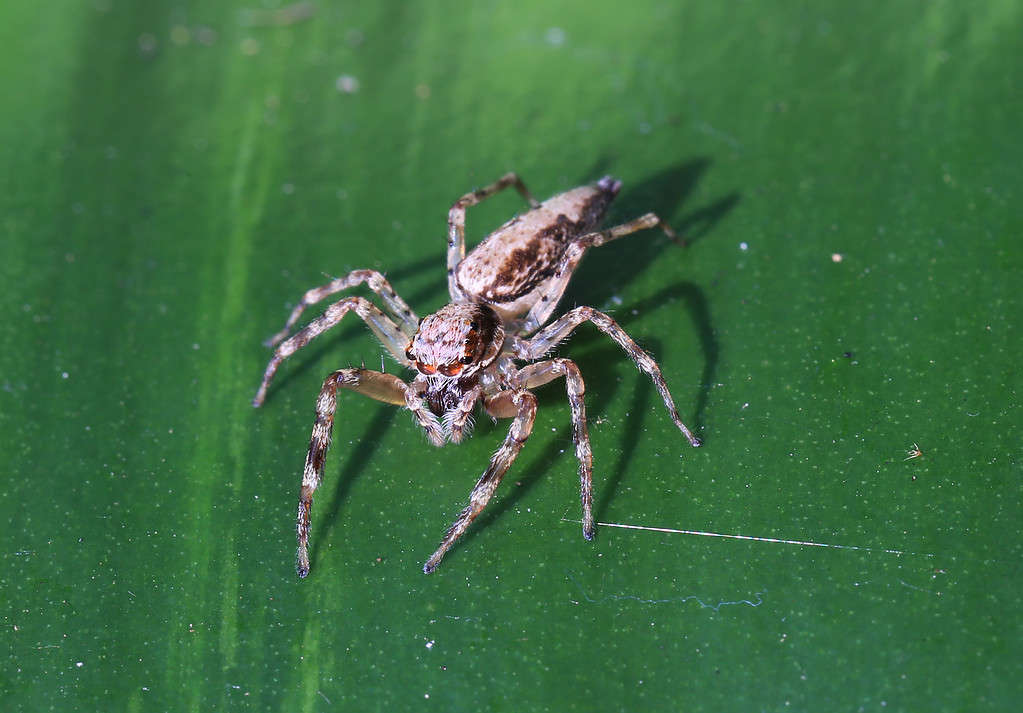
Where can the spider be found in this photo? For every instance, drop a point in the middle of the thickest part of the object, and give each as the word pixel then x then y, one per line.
pixel 502 295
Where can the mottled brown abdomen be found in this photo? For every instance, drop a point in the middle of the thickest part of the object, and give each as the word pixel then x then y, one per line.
pixel 525 252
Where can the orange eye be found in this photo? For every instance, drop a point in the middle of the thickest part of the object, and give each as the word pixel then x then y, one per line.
pixel 451 369
pixel 428 369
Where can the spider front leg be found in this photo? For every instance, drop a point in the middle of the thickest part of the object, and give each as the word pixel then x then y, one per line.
pixel 519 431
pixel 386 331
pixel 456 222
pixel 374 280
pixel 374 384
pixel 548 300
pixel 546 339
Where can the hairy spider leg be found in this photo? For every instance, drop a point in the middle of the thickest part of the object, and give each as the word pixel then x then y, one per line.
pixel 456 223
pixel 386 331
pixel 374 384
pixel 518 432
pixel 399 311
pixel 548 299
pixel 542 372
pixel 557 331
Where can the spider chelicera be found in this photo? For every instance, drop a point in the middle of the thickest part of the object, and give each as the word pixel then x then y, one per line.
pixel 502 295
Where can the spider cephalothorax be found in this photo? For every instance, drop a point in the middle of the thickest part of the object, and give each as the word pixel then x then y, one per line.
pixel 502 297
pixel 450 348
pixel 456 341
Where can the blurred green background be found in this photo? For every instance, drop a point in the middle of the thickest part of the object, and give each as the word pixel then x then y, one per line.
pixel 176 174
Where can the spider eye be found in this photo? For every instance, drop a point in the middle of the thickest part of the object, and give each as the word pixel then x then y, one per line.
pixel 467 359
pixel 408 353
pixel 450 369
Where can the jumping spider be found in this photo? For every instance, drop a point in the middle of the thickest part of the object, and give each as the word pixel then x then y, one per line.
pixel 502 295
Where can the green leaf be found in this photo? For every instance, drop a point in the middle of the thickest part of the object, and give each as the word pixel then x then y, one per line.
pixel 848 178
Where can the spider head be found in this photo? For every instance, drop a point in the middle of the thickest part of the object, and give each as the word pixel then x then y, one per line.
pixel 456 341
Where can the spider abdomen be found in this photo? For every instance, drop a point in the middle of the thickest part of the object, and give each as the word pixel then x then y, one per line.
pixel 520 257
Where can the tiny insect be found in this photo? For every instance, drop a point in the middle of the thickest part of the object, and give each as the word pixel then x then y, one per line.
pixel 913 452
pixel 503 294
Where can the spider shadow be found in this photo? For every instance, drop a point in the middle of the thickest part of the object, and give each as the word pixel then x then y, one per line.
pixel 355 461
pixel 699 315
pixel 665 193
pixel 695 305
